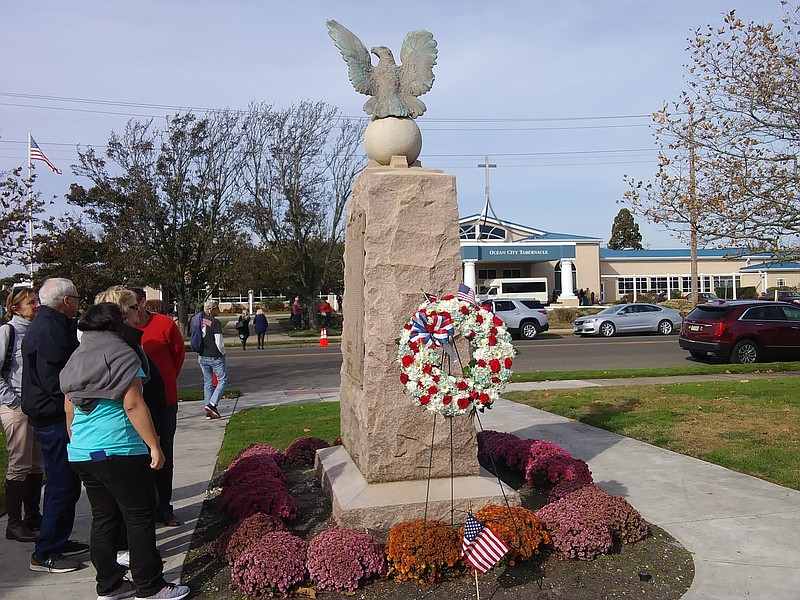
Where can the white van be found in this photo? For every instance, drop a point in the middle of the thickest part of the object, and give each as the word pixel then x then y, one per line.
pixel 515 287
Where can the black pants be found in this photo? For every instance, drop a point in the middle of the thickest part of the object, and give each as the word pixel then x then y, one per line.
pixel 165 428
pixel 122 494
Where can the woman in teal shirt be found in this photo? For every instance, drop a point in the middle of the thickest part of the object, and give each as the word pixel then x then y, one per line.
pixel 114 449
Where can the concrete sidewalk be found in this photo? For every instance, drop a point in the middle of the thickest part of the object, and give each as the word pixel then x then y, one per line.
pixel 744 533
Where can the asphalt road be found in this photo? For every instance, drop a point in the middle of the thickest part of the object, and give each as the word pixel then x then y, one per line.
pixel 314 367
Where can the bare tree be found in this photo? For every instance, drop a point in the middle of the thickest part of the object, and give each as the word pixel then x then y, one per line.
pixel 300 164
pixel 171 210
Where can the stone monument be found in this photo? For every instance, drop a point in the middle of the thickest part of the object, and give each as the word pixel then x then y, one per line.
pixel 402 238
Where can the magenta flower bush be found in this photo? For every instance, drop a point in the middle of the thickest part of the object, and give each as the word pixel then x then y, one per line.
pixel 258 494
pixel 248 532
pixel 497 445
pixel 564 488
pixel 339 558
pixel 575 533
pixel 275 564
pixel 303 450
pixel 624 521
pixel 252 466
pixel 556 468
pixel 262 450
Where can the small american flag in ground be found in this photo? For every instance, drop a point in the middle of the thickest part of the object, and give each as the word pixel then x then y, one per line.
pixel 466 294
pixel 482 548
pixel 37 154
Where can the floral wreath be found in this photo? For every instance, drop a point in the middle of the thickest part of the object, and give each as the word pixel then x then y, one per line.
pixel 426 338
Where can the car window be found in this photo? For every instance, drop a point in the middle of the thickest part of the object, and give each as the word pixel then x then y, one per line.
pixel 503 305
pixel 532 303
pixel 764 313
pixel 713 311
pixel 792 312
pixel 648 308
pixel 629 310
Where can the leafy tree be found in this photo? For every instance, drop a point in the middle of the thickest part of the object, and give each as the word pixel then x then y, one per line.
pixel 727 169
pixel 69 249
pixel 170 210
pixel 746 76
pixel 299 167
pixel 20 209
pixel 625 232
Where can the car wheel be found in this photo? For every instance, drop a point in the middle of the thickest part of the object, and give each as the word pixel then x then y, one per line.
pixel 665 327
pixel 529 330
pixel 607 329
pixel 745 352
pixel 698 355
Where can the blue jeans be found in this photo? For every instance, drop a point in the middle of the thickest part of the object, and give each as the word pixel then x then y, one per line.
pixel 61 491
pixel 210 365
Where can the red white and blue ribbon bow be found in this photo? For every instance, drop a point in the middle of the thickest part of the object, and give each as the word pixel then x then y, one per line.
pixel 435 333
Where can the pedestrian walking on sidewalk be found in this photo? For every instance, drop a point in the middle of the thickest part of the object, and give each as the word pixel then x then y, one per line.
pixel 243 328
pixel 114 449
pixel 212 358
pixel 260 324
pixel 25 461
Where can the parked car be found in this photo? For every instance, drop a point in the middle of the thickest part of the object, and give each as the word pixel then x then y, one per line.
pixel 742 331
pixel 525 318
pixel 702 297
pixel 629 318
pixel 782 296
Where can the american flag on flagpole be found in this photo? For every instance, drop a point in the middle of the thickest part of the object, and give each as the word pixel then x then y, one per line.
pixel 37 154
pixel 466 294
pixel 482 549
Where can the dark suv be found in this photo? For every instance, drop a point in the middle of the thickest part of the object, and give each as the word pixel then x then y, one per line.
pixel 782 295
pixel 742 331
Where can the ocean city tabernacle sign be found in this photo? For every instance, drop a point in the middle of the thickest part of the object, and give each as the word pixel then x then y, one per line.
pixel 517 252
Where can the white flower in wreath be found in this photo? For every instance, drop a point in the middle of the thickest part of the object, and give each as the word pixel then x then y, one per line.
pixel 420 356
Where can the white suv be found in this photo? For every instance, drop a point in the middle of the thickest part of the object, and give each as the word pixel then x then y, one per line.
pixel 523 318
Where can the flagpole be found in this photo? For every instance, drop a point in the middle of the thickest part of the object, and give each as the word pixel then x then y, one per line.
pixel 30 213
pixel 477 589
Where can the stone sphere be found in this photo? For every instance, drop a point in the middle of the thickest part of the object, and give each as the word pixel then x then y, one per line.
pixel 392 136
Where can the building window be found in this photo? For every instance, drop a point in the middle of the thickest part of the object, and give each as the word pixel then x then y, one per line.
pixel 487 274
pixel 508 273
pixel 780 281
pixel 487 232
pixel 641 284
pixel 658 283
pixel 625 285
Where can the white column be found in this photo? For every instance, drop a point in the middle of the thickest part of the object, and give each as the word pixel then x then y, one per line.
pixel 566 280
pixel 733 279
pixel 250 301
pixel 469 274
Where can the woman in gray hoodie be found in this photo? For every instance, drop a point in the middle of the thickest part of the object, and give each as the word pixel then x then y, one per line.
pixel 25 461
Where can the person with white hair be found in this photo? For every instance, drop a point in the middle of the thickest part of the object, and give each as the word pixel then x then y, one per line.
pixel 49 342
pixel 212 358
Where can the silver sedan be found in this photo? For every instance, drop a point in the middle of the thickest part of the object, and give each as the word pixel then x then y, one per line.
pixel 629 318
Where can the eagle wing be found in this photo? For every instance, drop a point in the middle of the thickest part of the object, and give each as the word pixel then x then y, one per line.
pixel 418 55
pixel 355 54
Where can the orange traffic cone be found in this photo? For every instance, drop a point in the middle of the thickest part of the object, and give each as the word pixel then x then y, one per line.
pixel 323 338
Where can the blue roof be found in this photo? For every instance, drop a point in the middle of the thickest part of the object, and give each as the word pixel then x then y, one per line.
pixel 681 253
pixel 776 266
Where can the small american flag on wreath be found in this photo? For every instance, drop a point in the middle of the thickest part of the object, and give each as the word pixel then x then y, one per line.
pixel 482 549
pixel 466 294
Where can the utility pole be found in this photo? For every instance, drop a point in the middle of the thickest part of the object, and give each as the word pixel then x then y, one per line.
pixel 692 210
pixel 485 165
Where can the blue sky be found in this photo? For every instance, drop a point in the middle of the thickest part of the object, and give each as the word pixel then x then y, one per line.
pixel 556 93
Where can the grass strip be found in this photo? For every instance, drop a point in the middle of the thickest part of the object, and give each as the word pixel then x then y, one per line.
pixel 749 426
pixel 699 369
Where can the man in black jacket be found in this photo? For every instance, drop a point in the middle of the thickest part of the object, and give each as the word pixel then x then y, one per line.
pixel 50 341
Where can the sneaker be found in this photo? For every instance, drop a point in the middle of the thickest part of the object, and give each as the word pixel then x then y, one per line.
pixel 126 589
pixel 55 563
pixel 212 411
pixel 71 548
pixel 169 519
pixel 168 592
pixel 124 558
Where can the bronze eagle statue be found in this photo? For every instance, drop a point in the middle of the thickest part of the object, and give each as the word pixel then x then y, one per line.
pixel 394 88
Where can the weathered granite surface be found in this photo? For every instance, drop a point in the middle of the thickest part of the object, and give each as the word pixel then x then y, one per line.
pixel 401 239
